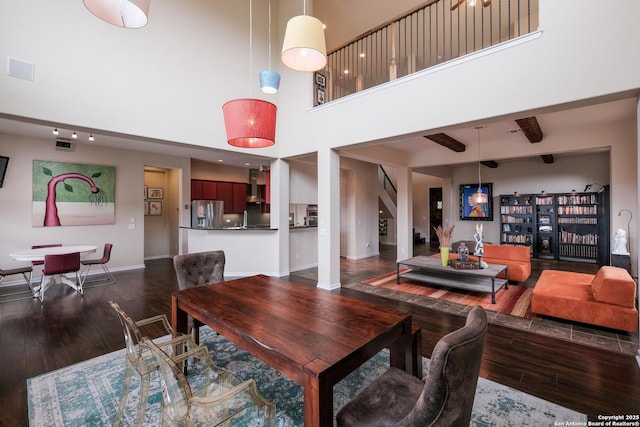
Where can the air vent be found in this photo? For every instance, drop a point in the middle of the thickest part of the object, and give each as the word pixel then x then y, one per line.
pixel 512 131
pixel 64 144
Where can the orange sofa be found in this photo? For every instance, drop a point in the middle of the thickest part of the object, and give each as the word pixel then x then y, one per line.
pixel 607 298
pixel 517 258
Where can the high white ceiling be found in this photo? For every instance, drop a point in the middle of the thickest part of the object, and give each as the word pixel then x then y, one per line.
pixel 342 26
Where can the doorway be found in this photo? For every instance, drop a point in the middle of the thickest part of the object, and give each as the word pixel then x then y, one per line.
pixel 435 214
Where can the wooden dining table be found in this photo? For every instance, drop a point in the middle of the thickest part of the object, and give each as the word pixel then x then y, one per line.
pixel 313 336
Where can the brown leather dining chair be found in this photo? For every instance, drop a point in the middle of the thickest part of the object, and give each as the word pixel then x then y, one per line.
pixel 198 269
pixel 445 398
pixel 102 262
pixel 58 265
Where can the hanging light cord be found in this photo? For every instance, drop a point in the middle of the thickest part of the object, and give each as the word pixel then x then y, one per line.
pixel 479 179
pixel 269 34
pixel 250 43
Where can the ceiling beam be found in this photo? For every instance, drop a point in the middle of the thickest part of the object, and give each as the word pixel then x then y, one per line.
pixel 490 164
pixel 547 158
pixel 446 141
pixel 531 129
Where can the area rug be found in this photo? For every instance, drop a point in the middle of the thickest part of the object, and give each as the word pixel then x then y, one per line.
pixel 87 393
pixel 514 301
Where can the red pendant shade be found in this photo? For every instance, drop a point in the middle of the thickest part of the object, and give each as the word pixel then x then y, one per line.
pixel 250 123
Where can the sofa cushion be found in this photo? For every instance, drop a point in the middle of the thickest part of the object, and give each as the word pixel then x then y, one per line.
pixel 507 252
pixel 614 285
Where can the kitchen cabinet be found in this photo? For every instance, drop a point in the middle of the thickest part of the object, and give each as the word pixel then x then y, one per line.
pixel 196 189
pixel 210 190
pixel 239 202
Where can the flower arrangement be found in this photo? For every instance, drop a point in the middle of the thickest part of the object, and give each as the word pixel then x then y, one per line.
pixel 444 235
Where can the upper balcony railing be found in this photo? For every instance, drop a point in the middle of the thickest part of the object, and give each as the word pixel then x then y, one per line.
pixel 427 36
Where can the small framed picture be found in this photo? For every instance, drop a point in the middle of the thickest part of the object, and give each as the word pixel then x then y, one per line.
pixel 154 193
pixel 155 208
pixel 320 96
pixel 146 208
pixel 320 80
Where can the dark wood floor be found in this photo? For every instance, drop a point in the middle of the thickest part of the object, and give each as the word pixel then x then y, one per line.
pixel 69 329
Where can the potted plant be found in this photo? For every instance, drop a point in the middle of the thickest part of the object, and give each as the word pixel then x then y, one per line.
pixel 444 237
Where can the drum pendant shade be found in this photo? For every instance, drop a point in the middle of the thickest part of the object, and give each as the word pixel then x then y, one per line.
pixel 269 81
pixel 250 123
pixel 304 47
pixel 122 13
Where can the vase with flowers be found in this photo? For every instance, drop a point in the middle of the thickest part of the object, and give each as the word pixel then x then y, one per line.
pixel 444 237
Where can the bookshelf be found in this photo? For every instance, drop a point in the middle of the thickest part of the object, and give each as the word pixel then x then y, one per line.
pixel 581 224
pixel 545 243
pixel 516 220
pixel 561 226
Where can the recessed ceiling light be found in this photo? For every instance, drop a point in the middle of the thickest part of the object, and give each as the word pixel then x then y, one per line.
pixel 220 160
pixel 55 131
pixel 91 138
pixel 74 135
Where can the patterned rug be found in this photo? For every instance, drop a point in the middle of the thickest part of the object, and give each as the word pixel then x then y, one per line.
pixel 514 301
pixel 87 394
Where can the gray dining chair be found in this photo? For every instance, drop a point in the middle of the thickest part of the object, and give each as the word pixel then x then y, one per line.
pixel 198 269
pixel 445 398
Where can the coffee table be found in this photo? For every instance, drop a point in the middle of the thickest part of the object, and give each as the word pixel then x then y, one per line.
pixel 314 337
pixel 430 270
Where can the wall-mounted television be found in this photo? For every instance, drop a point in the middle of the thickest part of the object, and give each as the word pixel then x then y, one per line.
pixel 4 161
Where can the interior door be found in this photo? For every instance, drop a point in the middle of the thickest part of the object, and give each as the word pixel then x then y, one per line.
pixel 435 214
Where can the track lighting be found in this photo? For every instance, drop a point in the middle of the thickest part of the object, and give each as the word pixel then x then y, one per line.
pixel 55 132
pixel 74 135
pixel 91 138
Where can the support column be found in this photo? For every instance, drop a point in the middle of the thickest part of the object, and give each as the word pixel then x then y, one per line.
pixel 279 175
pixel 328 219
pixel 404 218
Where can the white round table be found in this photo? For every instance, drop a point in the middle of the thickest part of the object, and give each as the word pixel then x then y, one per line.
pixel 38 254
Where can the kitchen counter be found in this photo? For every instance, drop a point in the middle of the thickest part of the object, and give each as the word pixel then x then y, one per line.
pixel 248 228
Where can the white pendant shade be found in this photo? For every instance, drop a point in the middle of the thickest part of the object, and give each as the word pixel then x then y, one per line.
pixel 122 13
pixel 304 47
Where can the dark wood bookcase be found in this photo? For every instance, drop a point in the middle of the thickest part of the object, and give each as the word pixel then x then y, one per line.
pixel 561 226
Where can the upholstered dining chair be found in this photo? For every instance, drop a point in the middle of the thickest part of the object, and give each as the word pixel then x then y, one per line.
pixel 198 269
pixel 57 265
pixel 397 398
pixel 139 359
pixel 213 397
pixel 102 262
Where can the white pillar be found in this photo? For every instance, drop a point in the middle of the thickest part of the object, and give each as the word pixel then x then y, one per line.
pixel 328 219
pixel 404 218
pixel 279 175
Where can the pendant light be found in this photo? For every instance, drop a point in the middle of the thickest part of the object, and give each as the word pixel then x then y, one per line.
pixel 121 13
pixel 479 198
pixel 304 47
pixel 269 80
pixel 249 122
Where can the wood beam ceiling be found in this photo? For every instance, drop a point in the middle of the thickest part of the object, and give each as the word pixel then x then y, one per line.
pixel 446 141
pixel 531 129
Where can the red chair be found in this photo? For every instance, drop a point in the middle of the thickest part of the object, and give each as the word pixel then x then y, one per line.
pixel 26 272
pixel 102 262
pixel 53 245
pixel 58 265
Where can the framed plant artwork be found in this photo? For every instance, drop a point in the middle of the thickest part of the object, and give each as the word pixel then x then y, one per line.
pixel 155 208
pixel 472 211
pixel 154 193
pixel 320 96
